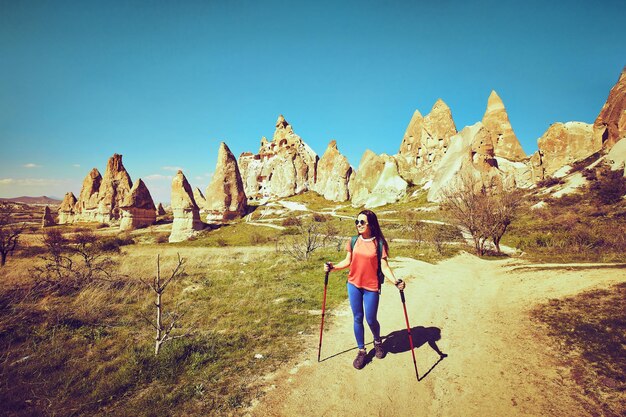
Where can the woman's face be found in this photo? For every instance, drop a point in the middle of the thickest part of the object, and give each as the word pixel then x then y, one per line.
pixel 362 226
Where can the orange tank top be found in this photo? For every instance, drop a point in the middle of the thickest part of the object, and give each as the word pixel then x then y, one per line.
pixel 364 264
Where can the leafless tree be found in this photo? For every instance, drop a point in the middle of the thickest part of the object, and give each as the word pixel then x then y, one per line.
pixel 484 211
pixel 464 202
pixel 158 286
pixel 300 246
pixel 9 231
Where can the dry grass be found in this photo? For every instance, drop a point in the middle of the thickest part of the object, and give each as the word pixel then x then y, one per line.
pixel 590 329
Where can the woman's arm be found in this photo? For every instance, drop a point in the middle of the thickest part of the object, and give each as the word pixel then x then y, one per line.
pixel 341 265
pixel 384 265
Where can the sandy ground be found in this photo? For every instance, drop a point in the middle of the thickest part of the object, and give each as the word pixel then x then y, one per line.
pixel 499 364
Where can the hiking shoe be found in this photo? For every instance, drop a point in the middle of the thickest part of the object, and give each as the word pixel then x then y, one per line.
pixel 380 350
pixel 359 361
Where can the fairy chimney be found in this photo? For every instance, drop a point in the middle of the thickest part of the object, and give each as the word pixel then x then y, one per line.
pixel 284 167
pixel 87 204
pixel 333 175
pixel 66 210
pixel 225 195
pixel 137 209
pixel 186 212
pixel 116 185
pixel 160 211
pixel 199 197
pixel 426 140
pixel 48 219
pixel 496 121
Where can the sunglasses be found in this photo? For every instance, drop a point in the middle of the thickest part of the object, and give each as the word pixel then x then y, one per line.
pixel 360 222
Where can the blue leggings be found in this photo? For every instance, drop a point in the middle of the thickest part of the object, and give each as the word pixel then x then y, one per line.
pixel 359 298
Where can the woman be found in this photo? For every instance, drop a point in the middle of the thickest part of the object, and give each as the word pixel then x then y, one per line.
pixel 363 284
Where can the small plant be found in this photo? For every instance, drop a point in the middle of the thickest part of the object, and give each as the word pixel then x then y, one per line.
pixel 292 221
pixel 549 182
pixel 610 187
pixel 158 286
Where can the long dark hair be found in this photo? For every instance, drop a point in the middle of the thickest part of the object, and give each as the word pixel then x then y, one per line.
pixel 372 220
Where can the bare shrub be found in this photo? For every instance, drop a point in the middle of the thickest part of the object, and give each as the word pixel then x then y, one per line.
pixel 549 182
pixel 300 246
pixel 292 221
pixel 484 212
pixel 320 218
pixel 71 263
pixel 9 231
pixel 257 239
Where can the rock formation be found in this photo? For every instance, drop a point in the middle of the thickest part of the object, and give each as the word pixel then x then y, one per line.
pixel 87 207
pixel 471 153
pixel 137 209
pixel 377 181
pixel 199 197
pixel 116 185
pixel 333 175
pixel 101 198
pixel 496 121
pixel 186 212
pixel 565 143
pixel 284 167
pixel 425 142
pixel 48 219
pixel 225 196
pixel 617 156
pixel 66 210
pixel 610 126
pixel 160 211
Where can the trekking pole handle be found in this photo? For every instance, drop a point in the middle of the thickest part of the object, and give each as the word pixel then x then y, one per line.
pixel 327 272
pixel 401 291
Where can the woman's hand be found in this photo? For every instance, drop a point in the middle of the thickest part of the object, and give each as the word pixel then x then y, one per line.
pixel 328 266
pixel 400 285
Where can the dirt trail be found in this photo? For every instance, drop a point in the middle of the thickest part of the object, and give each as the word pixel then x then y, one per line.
pixel 499 363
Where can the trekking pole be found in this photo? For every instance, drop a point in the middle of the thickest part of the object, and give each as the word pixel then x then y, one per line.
pixel 319 349
pixel 408 329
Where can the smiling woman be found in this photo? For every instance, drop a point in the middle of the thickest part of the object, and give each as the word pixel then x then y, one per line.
pixel 366 257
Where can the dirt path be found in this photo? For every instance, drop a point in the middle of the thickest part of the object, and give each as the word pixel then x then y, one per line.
pixel 499 362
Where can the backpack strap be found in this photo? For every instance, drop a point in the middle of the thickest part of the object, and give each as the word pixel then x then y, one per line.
pixel 353 242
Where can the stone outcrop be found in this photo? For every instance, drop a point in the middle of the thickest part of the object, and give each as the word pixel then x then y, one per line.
pixel 66 210
pixel 160 211
pixel 225 196
pixel 617 156
pixel 284 167
pixel 377 181
pixel 186 212
pixel 199 197
pixel 137 209
pixel 116 185
pixel 425 141
pixel 333 175
pixel 610 125
pixel 101 198
pixel 88 199
pixel 565 143
pixel 496 121
pixel 48 219
pixel 471 153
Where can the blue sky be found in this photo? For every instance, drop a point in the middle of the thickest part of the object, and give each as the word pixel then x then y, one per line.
pixel 164 84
